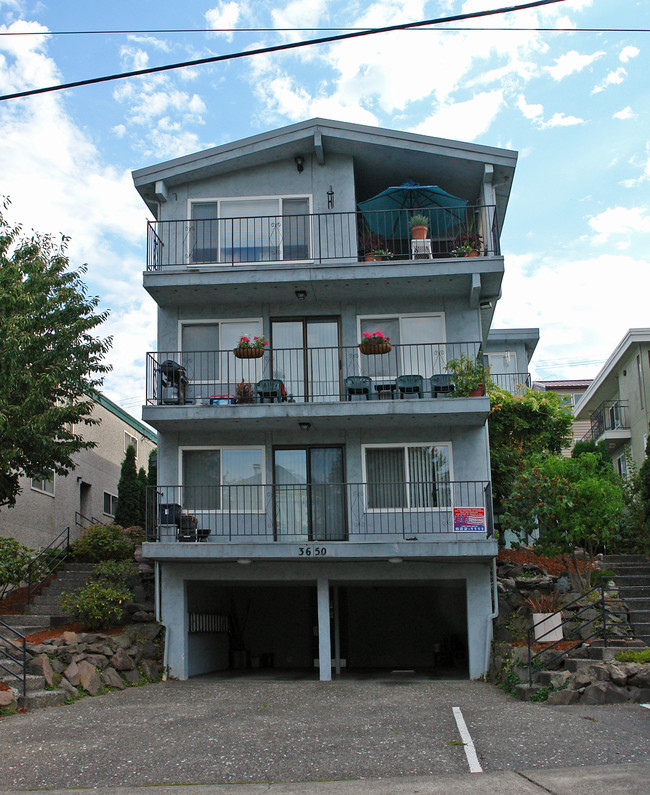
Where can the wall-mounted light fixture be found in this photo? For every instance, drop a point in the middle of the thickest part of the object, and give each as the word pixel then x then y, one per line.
pixel 300 163
pixel 330 199
pixel 244 561
pixel 394 560
pixel 301 294
pixel 304 426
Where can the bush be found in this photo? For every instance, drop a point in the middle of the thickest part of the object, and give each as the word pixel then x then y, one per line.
pixel 115 572
pixel 96 604
pixel 629 655
pixel 14 560
pixel 103 542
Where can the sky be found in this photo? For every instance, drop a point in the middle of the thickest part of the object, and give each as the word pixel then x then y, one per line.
pixel 574 105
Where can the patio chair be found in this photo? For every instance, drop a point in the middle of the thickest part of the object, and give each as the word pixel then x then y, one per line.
pixel 442 385
pixel 410 386
pixel 358 387
pixel 270 390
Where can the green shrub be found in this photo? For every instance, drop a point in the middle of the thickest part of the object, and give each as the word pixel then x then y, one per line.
pixel 629 655
pixel 103 542
pixel 14 560
pixel 115 572
pixel 96 604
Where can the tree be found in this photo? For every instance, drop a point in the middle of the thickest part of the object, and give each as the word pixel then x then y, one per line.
pixel 599 450
pixel 569 502
pixel 142 484
pixel 128 510
pixel 50 363
pixel 520 425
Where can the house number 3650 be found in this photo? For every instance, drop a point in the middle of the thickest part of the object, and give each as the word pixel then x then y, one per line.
pixel 309 552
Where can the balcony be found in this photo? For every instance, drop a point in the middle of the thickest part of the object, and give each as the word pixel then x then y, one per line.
pixel 511 382
pixel 273 514
pixel 308 375
pixel 320 238
pixel 609 423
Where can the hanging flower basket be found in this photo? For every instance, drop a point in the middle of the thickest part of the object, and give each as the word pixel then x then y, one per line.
pixel 249 353
pixel 375 343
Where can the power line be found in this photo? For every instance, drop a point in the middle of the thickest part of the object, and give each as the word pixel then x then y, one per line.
pixel 168 31
pixel 277 48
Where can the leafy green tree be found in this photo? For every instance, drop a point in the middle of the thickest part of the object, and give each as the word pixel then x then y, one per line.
pixel 569 502
pixel 129 490
pixel 14 562
pixel 142 484
pixel 49 359
pixel 598 449
pixel 644 488
pixel 521 425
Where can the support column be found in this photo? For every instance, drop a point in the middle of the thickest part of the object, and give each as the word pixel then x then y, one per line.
pixel 337 632
pixel 324 641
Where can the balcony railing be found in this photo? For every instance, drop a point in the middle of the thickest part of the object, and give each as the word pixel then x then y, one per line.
pixel 318 237
pixel 307 375
pixel 511 382
pixel 293 512
pixel 611 415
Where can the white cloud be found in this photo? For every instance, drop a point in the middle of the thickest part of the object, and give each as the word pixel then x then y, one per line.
pixel 571 62
pixel 560 120
pixel 224 15
pixel 625 113
pixel 529 111
pixel 463 120
pixel 614 78
pixel 620 221
pixel 627 53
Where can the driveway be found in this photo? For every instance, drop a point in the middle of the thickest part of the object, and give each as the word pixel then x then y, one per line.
pixel 208 730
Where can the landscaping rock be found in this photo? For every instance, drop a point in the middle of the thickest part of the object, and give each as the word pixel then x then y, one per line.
pixel 640 695
pixel 69 638
pixel 122 641
pixel 559 678
pixel 41 667
pixel 617 675
pixel 65 685
pixel 89 678
pixel 641 678
pixel 121 661
pixel 8 699
pixel 98 660
pixel 132 676
pixel 604 693
pixel 150 669
pixel 71 673
pixel 58 666
pixel 579 680
pixel 563 697
pixel 111 678
pixel 144 631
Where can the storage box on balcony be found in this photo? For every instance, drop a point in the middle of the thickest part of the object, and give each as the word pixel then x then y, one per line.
pixel 170 513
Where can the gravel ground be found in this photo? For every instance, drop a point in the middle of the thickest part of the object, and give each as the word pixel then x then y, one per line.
pixel 214 731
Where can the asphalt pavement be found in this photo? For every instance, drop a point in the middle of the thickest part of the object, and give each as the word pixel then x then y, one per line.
pixel 338 738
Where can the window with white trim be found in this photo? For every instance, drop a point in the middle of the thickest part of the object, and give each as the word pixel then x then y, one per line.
pixel 260 229
pixel 407 476
pixel 44 484
pixel 222 478
pixel 110 503
pixel 207 353
pixel 414 334
pixel 621 466
pixel 130 441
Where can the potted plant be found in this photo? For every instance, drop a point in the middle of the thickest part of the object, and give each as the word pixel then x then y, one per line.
pixel 378 255
pixel 467 244
pixel 374 343
pixel 468 376
pixel 244 393
pixel 547 617
pixel 370 243
pixel 250 349
pixel 419 227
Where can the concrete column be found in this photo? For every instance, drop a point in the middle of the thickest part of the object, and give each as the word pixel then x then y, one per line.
pixel 324 641
pixel 174 617
pixel 479 607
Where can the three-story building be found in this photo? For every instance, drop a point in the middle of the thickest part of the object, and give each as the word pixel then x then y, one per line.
pixel 324 499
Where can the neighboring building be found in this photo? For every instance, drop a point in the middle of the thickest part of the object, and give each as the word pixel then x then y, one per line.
pixel 89 492
pixel 508 353
pixel 343 499
pixel 616 402
pixel 571 390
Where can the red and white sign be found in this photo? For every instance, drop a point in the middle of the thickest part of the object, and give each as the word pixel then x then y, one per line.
pixel 469 520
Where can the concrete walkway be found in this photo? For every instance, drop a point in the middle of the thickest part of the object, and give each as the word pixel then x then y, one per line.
pixel 344 737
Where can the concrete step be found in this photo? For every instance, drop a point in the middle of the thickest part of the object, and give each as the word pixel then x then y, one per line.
pixel 635 580
pixel 634 592
pixel 610 560
pixel 641 569
pixel 33 682
pixel 578 665
pixel 22 620
pixel 638 603
pixel 639 616
pixel 42 698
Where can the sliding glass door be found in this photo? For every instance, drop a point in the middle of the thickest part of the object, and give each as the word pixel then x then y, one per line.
pixel 309 494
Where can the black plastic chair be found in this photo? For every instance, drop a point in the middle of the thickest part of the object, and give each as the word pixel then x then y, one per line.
pixel 269 390
pixel 358 387
pixel 408 385
pixel 442 385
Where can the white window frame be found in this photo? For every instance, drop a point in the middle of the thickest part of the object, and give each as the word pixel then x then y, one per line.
pixel 129 439
pixel 219 199
pixel 404 446
pixel 221 448
pixel 621 466
pixel 42 490
pixel 113 502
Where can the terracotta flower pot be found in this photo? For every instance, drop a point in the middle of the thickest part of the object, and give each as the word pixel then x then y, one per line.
pixel 419 232
pixel 249 353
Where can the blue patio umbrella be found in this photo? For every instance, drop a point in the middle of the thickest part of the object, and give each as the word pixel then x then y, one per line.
pixel 388 213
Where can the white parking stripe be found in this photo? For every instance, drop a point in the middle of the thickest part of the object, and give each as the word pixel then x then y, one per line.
pixel 647 706
pixel 470 751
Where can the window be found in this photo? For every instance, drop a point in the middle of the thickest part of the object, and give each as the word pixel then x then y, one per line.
pixel 110 504
pixel 222 479
pixel 411 477
pixel 414 334
pixel 621 466
pixel 267 229
pixel 44 484
pixel 130 440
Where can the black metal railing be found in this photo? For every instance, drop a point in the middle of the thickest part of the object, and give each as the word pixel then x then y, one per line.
pixel 611 415
pixel 47 561
pixel 312 375
pixel 13 654
pixel 319 237
pixel 511 382
pixel 86 521
pixel 573 627
pixel 318 512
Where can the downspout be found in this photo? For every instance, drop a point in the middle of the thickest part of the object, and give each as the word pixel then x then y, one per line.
pixel 492 616
pixel 157 603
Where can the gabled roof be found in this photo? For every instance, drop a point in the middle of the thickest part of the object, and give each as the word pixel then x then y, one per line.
pixel 606 380
pixel 456 166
